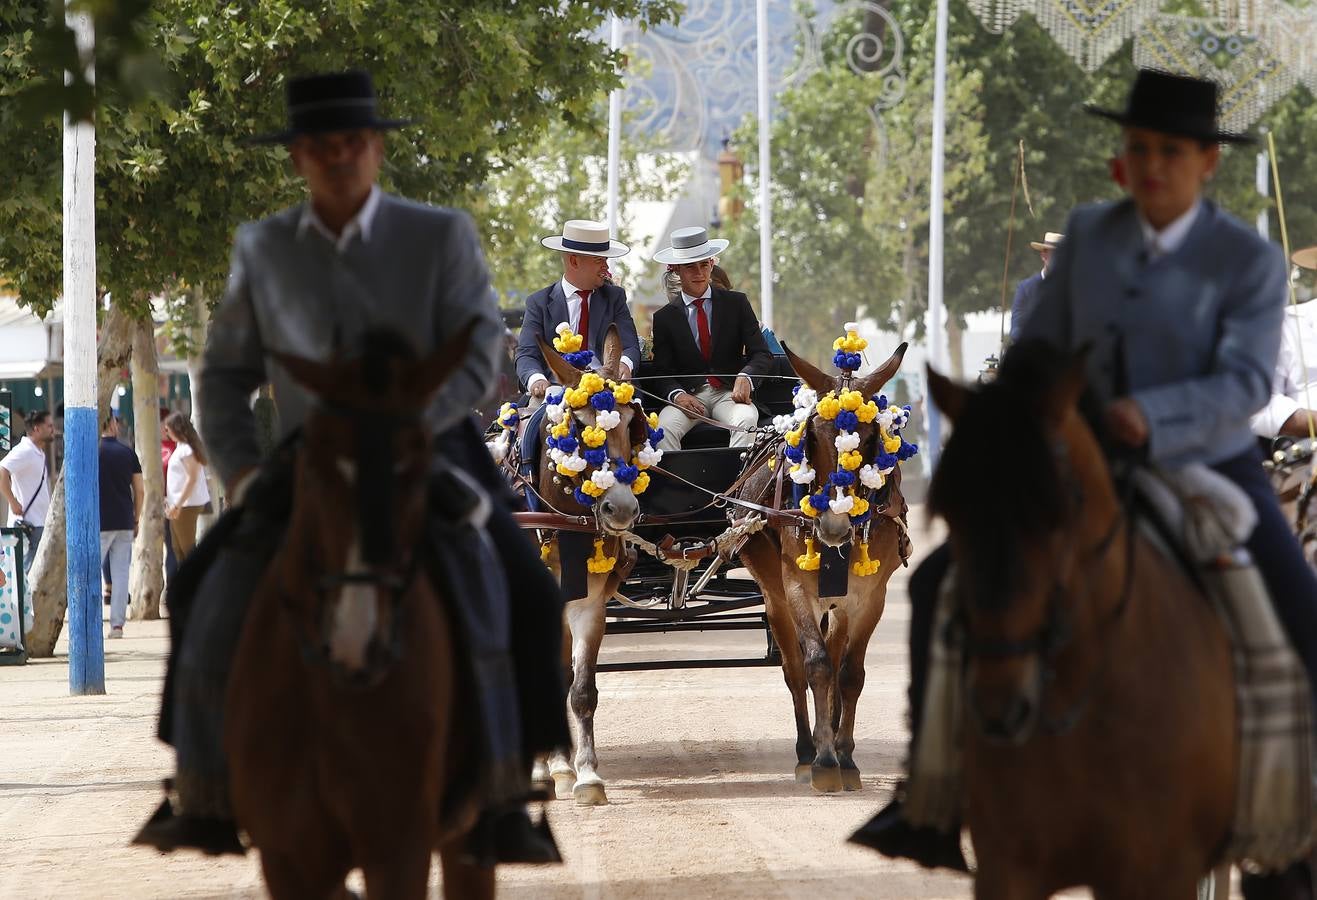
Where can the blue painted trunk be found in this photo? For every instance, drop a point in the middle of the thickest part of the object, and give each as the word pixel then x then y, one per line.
pixel 82 505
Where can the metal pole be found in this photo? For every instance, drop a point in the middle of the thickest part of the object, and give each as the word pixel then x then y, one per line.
pixel 614 134
pixel 82 528
pixel 765 169
pixel 936 340
pixel 1262 179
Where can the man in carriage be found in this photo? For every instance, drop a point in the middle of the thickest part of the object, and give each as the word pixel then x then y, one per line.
pixel 1288 412
pixel 708 347
pixel 312 281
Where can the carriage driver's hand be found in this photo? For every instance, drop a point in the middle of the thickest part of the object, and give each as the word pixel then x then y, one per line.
pixel 1127 422
pixel 689 403
pixel 538 389
pixel 741 389
pixel 623 372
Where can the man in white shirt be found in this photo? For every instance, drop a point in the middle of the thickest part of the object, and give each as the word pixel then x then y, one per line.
pixel 25 481
pixel 1294 386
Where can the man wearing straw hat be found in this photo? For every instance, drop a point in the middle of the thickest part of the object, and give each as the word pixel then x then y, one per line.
pixel 709 338
pixel 1294 387
pixel 1026 294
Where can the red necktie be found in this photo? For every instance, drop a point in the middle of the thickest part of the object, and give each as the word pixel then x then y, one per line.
pixel 706 342
pixel 584 330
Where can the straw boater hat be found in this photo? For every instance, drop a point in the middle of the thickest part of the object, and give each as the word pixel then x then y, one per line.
pixel 1306 258
pixel 1172 104
pixel 339 101
pixel 587 238
pixel 1049 241
pixel 690 245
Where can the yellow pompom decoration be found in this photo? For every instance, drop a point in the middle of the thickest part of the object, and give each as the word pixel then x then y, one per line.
pixel 653 420
pixel 567 342
pixel 808 508
pixel 809 560
pixel 867 412
pixel 591 489
pixel 851 400
pixel 772 463
pixel 828 406
pixel 850 460
pixel 594 436
pixel 591 383
pixel 793 436
pixel 544 552
pixel 561 430
pixel 891 444
pixel 865 566
pixel 623 393
pixel 859 506
pixel 600 564
pixel 576 398
pixel 641 484
pixel 563 470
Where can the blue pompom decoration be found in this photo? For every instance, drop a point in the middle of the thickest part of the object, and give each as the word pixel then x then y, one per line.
pixel 795 454
pixel 583 498
pixel 882 401
pixel 567 444
pixel 819 502
pixel 847 420
pixel 655 436
pixel 554 396
pixel 596 457
pixel 841 478
pixel 603 401
pixel 884 461
pixel 839 359
pixel 796 390
pixel 581 359
pixel 860 520
pixel 906 451
pixel 626 474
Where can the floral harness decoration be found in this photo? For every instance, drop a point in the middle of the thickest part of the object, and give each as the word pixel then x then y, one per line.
pixel 848 489
pixel 574 447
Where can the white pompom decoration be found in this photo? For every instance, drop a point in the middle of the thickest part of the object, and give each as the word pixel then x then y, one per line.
pixel 608 419
pixel 603 478
pixel 843 504
pixel 649 456
pixel 801 473
pixel 871 477
pixel 847 441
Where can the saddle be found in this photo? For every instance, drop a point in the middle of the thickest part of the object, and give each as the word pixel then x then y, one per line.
pixel 1198 519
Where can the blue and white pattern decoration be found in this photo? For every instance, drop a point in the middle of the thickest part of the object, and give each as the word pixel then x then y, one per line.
pixel 9 600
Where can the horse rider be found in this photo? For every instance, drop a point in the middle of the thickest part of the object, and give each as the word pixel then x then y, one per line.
pixel 1294 385
pixel 1182 306
pixel 586 300
pixel 709 337
pixel 309 281
pixel 1026 292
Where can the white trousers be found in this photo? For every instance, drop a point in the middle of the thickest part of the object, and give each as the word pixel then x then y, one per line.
pixel 720 407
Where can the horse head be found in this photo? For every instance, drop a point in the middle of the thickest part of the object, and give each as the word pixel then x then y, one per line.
pixel 598 439
pixel 361 495
pixel 1030 508
pixel 847 444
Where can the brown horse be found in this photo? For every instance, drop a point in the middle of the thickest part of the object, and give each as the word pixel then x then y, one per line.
pixel 615 511
pixel 343 715
pixel 823 640
pixel 1100 737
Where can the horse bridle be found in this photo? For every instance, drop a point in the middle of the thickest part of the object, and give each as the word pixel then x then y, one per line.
pixel 1057 630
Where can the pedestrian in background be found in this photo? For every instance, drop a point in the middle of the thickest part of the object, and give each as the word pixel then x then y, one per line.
pixel 186 492
pixel 24 482
pixel 167 446
pixel 121 509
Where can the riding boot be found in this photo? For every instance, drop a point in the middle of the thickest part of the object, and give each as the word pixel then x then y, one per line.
pixel 889 832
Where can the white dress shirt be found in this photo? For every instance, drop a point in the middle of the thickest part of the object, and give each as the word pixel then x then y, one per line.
pixel 1294 386
pixel 1169 239
pixel 574 319
pixel 360 224
pixel 30 481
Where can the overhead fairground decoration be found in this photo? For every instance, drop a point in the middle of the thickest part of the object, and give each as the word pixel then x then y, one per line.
pixel 1250 77
pixel 1089 31
pixel 998 15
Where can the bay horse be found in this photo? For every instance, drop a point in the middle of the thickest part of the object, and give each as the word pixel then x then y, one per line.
pixel 345 712
pixel 1100 746
pixel 615 509
pixel 823 640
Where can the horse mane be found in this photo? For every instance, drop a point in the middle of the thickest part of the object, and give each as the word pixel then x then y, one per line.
pixel 999 479
pixel 378 349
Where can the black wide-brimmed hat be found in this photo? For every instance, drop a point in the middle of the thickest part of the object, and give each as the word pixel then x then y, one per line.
pixel 339 101
pixel 1172 104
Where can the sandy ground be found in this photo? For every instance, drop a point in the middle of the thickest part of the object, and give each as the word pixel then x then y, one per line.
pixel 698 764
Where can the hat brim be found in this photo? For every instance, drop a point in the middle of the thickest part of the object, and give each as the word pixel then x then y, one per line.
pixel 667 254
pixel 615 248
pixel 1305 258
pixel 1120 118
pixel 289 135
pixel 1042 245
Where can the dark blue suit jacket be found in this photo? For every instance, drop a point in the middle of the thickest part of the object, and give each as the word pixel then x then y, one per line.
pixel 546 308
pixel 1026 298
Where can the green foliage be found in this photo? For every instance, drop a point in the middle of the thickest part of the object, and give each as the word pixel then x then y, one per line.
pixel 483 78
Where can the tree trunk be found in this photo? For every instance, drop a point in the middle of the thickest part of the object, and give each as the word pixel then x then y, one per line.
pixel 956 347
pixel 146 579
pixel 49 575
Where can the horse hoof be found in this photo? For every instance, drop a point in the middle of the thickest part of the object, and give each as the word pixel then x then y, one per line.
pixel 590 794
pixel 562 785
pixel 803 773
pixel 544 785
pixel 825 779
pixel 850 780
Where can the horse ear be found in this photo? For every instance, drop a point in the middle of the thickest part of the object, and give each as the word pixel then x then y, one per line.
pixel 947 395
pixel 318 378
pixel 872 383
pixel 429 374
pixel 566 373
pixel 807 372
pixel 612 362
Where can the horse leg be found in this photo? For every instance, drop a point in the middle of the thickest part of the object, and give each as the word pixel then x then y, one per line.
pixel 559 764
pixel 824 773
pixel 838 624
pixel 762 557
pixel 998 883
pixel 587 622
pixel 404 875
pixel 463 881
pixel 287 877
pixel 850 682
